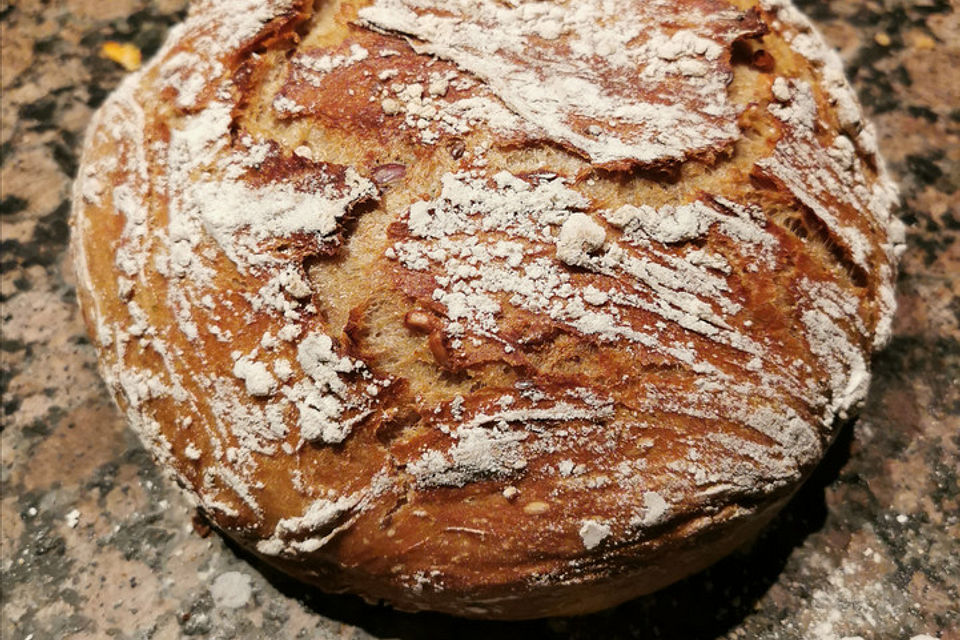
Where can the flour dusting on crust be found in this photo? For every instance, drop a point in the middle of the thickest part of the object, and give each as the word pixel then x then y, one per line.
pixel 613 355
pixel 587 78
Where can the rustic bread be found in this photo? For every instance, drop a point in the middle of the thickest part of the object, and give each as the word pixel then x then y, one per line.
pixel 498 308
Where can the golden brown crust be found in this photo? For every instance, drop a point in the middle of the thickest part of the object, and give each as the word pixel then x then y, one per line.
pixel 505 327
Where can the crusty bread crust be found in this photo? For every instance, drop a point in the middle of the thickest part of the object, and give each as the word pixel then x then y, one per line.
pixel 500 309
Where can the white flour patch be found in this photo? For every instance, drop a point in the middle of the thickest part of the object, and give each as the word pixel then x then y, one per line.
pixel 231 590
pixel 593 532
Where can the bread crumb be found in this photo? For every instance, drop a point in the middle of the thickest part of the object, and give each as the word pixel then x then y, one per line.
pixel 924 41
pixel 125 54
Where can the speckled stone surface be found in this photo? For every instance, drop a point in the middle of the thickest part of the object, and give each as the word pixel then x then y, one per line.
pixel 95 544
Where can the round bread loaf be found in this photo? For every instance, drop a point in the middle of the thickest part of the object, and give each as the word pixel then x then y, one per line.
pixel 499 308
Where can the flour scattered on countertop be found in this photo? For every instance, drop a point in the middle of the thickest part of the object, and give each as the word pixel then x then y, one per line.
pixel 231 590
pixel 73 518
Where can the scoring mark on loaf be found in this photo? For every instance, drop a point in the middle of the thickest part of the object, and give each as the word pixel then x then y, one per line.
pixel 571 71
pixel 820 177
pixel 378 83
pixel 226 191
pixel 247 193
pixel 495 439
pixel 322 521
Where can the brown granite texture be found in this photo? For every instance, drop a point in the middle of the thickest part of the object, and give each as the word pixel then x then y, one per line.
pixel 95 544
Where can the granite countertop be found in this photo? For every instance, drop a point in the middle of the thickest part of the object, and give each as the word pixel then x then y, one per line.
pixel 96 544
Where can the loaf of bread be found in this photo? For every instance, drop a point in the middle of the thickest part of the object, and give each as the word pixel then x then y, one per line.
pixel 499 308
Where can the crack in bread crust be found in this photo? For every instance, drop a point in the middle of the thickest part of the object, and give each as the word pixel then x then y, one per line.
pixel 484 327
